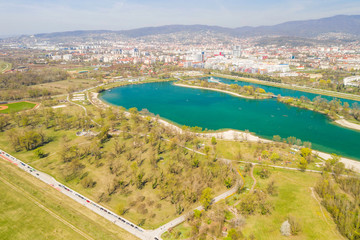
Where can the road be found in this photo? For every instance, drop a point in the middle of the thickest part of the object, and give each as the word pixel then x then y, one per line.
pixel 100 210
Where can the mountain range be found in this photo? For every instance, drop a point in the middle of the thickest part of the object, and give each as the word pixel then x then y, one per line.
pixel 340 24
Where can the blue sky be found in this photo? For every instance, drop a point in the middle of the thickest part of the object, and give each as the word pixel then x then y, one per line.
pixel 37 16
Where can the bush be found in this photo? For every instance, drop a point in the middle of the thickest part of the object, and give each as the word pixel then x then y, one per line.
pixel 264 173
pixel 88 182
pixel 295 226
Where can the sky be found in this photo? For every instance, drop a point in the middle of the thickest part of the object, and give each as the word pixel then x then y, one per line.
pixel 43 16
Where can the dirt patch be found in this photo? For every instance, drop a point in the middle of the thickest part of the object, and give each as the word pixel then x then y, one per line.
pixel 3 107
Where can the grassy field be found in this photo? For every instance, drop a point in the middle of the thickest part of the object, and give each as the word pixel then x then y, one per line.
pixel 294 197
pixel 17 107
pixel 30 209
pixel 63 87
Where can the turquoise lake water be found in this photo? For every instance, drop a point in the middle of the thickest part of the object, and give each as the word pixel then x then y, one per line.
pixel 282 91
pixel 215 110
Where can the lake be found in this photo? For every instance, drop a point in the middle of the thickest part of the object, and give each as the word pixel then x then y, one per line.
pixel 215 111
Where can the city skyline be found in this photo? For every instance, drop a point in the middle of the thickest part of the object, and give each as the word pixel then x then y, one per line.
pixel 41 16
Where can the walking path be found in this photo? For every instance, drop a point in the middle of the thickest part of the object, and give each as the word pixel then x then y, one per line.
pixel 252 176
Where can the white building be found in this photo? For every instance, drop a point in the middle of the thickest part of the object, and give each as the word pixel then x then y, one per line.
pixel 67 57
pixel 352 81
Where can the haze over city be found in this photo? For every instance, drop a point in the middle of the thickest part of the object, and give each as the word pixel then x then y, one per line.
pixel 38 16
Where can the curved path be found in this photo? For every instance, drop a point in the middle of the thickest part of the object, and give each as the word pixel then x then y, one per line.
pixel 252 176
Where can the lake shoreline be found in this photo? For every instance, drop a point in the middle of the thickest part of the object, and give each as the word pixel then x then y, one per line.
pixel 236 135
pixel 214 89
pixel 347 124
pixel 288 86
pixel 341 122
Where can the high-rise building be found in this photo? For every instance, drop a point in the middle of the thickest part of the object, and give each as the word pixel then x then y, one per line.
pixel 237 52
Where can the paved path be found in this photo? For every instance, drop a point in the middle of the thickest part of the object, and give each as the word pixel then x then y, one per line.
pixel 86 114
pixel 159 231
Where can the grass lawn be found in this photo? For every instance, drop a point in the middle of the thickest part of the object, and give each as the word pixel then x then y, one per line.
pixel 17 107
pixel 62 87
pixel 294 198
pixel 30 209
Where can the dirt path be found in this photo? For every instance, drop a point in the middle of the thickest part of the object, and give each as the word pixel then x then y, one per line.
pixel 252 176
pixel 313 194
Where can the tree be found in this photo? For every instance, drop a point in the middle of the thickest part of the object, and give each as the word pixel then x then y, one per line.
pixel 234 235
pixel 39 152
pixel 275 157
pixel 303 164
pixel 339 168
pixel 277 138
pixel 120 209
pixel 334 159
pixel 305 152
pixel 265 154
pixel 206 197
pixel 264 173
pixel 4 120
pixel 213 141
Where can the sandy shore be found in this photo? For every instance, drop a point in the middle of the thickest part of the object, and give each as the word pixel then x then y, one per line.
pixel 347 124
pixel 349 163
pixel 214 89
pixel 233 135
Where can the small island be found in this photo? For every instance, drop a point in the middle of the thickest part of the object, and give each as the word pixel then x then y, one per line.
pixel 249 92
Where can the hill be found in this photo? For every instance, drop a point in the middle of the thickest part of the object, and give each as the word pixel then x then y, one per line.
pixel 342 24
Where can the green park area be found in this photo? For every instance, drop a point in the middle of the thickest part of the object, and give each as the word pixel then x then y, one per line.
pixel 16 107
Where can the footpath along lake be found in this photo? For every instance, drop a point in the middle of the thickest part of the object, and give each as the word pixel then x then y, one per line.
pixel 215 111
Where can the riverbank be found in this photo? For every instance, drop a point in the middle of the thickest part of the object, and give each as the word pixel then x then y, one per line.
pixel 292 87
pixel 217 90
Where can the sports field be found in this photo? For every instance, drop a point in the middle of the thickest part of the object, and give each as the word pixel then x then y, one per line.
pixel 16 107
